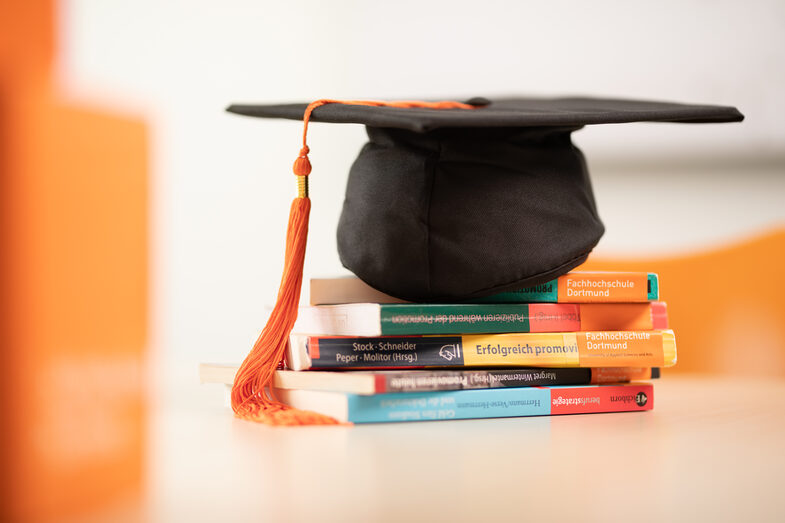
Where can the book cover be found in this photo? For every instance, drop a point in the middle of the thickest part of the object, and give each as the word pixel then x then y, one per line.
pixel 474 404
pixel 383 381
pixel 374 319
pixel 573 287
pixel 578 349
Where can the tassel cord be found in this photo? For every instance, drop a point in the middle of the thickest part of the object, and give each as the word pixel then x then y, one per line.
pixel 253 395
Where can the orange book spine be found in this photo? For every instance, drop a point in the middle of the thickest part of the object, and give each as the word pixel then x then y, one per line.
pixel 630 316
pixel 608 287
pixel 604 375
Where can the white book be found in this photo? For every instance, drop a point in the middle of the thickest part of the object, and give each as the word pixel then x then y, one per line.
pixel 356 319
pixel 348 289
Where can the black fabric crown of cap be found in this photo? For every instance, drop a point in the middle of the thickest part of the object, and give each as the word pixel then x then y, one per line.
pixel 449 205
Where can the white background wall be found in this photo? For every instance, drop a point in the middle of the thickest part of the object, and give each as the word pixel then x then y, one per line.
pixel 222 184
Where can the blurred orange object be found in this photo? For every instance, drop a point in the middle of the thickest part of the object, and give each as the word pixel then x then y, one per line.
pixel 27 41
pixel 726 306
pixel 74 287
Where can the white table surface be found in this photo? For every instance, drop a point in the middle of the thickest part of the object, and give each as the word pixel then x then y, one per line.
pixel 711 449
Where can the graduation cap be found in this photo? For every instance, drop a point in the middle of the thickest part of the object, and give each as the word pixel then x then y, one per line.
pixel 448 201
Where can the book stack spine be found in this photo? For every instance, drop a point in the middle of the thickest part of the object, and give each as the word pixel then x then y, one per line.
pixel 552 349
pixel 572 345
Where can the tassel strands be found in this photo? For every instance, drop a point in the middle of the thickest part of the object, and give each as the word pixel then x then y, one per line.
pixel 253 397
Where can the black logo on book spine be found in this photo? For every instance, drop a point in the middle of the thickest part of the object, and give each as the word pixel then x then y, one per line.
pixel 450 352
pixel 641 399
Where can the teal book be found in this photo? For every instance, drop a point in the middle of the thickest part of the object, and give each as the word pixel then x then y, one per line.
pixel 473 404
pixel 573 287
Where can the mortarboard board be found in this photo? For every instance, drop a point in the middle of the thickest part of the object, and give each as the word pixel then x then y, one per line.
pixel 452 201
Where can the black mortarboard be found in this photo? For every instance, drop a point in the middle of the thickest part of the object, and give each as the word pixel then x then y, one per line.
pixel 453 204
pixel 447 201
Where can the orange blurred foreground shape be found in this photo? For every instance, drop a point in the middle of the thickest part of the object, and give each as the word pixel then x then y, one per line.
pixel 726 305
pixel 74 288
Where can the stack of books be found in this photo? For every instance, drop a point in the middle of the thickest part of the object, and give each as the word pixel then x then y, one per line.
pixel 583 343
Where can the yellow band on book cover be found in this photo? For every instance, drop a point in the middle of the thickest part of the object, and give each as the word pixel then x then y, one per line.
pixel 579 349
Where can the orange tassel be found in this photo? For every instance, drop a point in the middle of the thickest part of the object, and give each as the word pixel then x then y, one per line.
pixel 253 397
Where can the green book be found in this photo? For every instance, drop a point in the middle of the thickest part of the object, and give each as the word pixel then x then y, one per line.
pixel 374 319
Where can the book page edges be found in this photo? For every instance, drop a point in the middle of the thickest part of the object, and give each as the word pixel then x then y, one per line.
pixel 659 315
pixel 335 404
pixel 215 373
pixel 350 289
pixel 363 384
pixel 297 357
pixel 668 348
pixel 356 319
